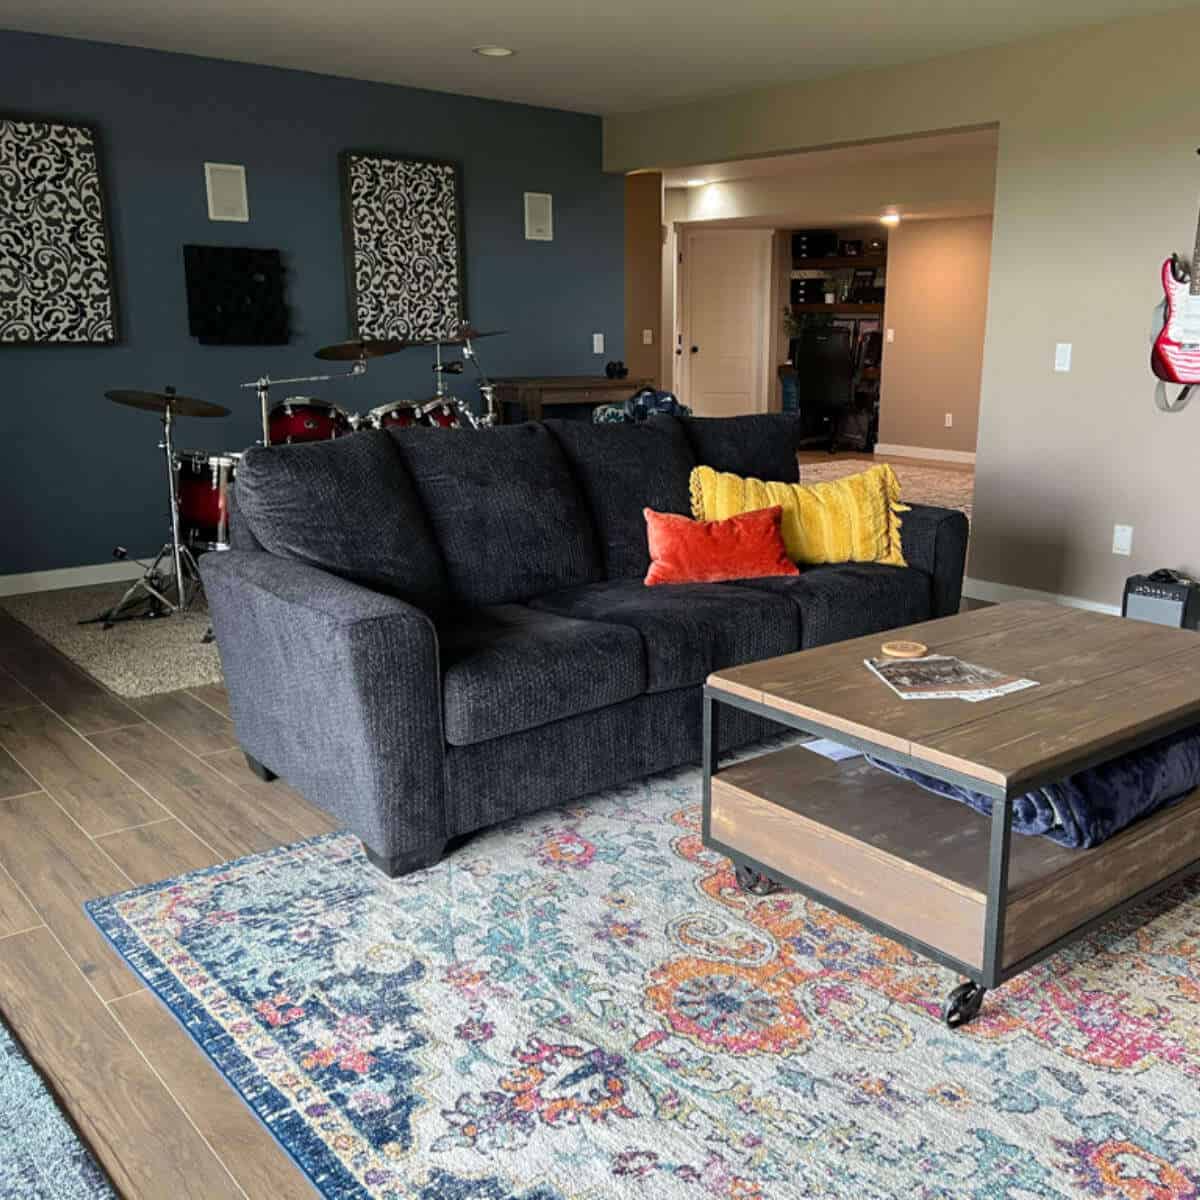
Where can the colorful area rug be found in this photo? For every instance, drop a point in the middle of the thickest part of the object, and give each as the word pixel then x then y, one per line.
pixel 41 1157
pixel 581 1004
pixel 944 487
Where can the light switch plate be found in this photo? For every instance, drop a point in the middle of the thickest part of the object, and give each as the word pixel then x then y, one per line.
pixel 1062 356
pixel 647 337
pixel 1122 539
pixel 597 343
pixel 949 420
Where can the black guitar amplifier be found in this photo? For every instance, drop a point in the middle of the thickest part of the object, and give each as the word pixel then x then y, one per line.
pixel 1165 598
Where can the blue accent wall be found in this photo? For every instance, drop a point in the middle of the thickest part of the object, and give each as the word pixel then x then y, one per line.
pixel 82 475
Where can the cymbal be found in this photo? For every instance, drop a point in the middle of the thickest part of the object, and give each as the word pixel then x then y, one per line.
pixel 468 333
pixel 358 348
pixel 181 406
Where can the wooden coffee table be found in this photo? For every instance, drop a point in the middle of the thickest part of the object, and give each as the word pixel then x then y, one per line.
pixel 930 872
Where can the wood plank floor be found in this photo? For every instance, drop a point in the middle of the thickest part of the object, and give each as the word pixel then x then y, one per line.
pixel 97 795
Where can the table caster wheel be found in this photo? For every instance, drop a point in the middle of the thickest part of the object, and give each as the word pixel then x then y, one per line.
pixel 963 1004
pixel 754 882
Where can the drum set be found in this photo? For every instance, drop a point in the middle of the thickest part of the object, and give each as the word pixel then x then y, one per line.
pixel 199 481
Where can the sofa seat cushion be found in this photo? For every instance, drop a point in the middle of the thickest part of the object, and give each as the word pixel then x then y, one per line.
pixel 687 629
pixel 506 510
pixel 851 599
pixel 508 667
pixel 622 470
pixel 347 506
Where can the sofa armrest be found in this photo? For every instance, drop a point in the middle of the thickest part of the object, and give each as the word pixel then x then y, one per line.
pixel 336 688
pixel 935 541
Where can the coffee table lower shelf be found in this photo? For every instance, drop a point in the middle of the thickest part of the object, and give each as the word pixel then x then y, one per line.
pixel 929 872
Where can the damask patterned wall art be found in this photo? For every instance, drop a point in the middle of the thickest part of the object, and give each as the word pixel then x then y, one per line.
pixel 56 272
pixel 404 245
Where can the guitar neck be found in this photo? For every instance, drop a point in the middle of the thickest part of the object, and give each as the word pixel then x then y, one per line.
pixel 1195 275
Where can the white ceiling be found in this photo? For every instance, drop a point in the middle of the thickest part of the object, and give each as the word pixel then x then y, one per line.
pixel 619 56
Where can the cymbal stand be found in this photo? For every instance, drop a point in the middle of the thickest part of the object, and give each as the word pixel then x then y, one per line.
pixel 263 388
pixel 486 390
pixel 151 588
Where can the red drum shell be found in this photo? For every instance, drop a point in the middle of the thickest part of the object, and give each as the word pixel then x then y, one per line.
pixel 304 419
pixel 204 480
pixel 401 414
pixel 442 416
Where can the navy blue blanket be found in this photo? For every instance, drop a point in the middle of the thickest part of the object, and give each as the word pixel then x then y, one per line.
pixel 1087 808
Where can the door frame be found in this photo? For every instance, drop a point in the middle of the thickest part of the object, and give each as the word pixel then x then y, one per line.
pixel 763 242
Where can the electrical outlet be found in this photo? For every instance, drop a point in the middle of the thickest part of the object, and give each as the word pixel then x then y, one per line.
pixel 949 420
pixel 1062 356
pixel 647 337
pixel 597 343
pixel 1122 539
pixel 891 335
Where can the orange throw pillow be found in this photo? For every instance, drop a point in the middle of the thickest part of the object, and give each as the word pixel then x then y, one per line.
pixel 748 546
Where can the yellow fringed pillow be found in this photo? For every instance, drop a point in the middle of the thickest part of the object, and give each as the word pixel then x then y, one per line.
pixel 855 519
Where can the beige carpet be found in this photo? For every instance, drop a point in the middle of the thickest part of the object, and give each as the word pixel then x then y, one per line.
pixel 946 488
pixel 134 658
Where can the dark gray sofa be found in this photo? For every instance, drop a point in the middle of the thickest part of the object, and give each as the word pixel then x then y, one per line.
pixel 428 632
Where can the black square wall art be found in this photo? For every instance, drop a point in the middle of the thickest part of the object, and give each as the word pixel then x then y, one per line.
pixel 235 296
pixel 404 245
pixel 56 272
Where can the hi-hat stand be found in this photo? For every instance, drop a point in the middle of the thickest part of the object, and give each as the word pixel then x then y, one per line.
pixel 175 565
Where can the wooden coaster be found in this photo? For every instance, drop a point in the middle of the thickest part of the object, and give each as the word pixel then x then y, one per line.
pixel 905 649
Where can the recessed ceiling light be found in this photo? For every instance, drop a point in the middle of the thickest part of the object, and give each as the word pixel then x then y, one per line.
pixel 493 51
pixel 890 218
pixel 696 182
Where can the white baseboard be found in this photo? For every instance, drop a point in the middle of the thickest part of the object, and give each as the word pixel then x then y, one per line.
pixel 953 456
pixel 69 577
pixel 997 593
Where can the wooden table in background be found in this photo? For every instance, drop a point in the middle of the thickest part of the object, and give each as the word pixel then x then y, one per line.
pixel 930 872
pixel 535 392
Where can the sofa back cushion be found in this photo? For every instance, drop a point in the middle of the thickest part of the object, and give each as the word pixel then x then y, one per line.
pixel 763 445
pixel 508 515
pixel 623 469
pixel 349 507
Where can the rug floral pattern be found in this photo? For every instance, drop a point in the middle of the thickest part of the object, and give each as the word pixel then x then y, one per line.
pixel 583 1005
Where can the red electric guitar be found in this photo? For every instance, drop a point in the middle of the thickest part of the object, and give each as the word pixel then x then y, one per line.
pixel 1175 356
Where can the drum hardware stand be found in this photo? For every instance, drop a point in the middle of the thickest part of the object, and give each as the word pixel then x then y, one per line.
pixel 486 390
pixel 151 587
pixel 263 388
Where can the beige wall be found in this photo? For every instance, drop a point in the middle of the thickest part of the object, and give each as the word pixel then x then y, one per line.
pixel 1097 180
pixel 841 194
pixel 937 284
pixel 643 273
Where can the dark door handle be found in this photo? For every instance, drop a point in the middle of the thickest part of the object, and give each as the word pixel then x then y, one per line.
pixel 695 349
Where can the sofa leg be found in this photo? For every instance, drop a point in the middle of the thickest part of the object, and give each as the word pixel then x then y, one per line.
pixel 264 773
pixel 395 865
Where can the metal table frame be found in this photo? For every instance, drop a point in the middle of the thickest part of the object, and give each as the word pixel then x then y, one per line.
pixel 992 972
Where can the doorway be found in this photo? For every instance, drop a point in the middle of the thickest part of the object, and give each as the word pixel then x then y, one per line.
pixel 723 346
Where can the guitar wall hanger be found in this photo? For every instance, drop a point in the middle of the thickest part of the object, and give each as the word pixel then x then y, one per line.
pixel 1175 353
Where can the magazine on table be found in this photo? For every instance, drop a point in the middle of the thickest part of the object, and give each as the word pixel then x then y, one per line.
pixel 944 677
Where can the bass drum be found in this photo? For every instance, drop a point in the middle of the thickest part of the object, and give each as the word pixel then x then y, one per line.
pixel 306 419
pixel 204 481
pixel 400 414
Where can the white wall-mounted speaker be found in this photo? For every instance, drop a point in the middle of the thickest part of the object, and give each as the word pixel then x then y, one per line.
pixel 539 217
pixel 226 187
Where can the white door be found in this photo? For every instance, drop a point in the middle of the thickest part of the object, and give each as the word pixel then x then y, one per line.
pixel 725 277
